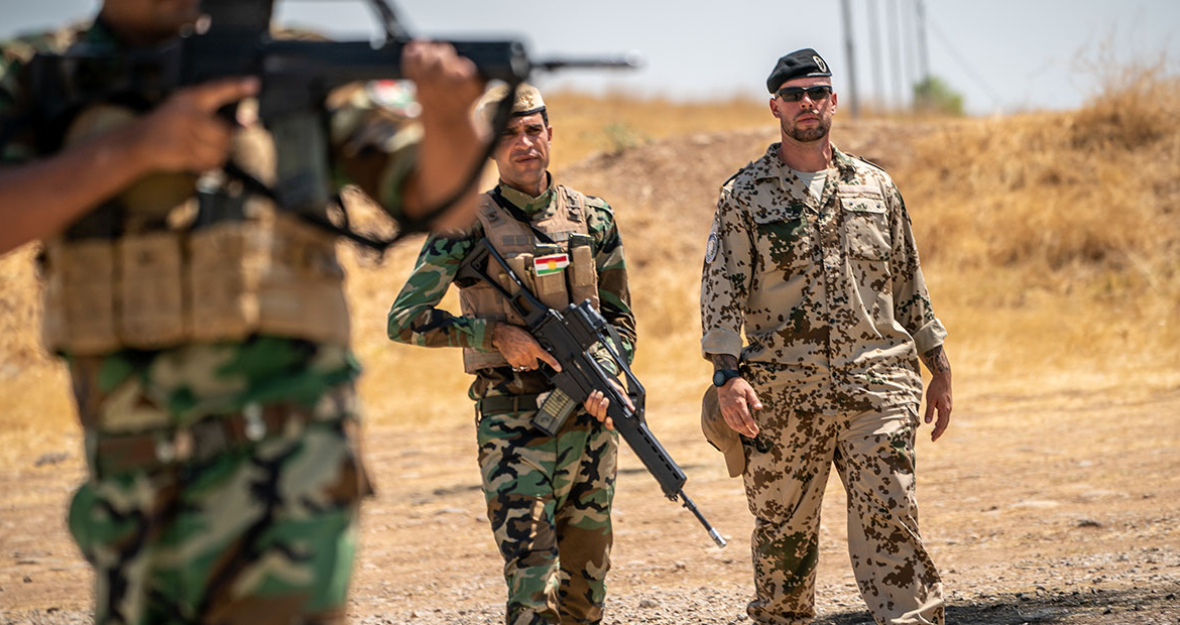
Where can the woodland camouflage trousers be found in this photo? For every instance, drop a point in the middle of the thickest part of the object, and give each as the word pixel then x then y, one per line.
pixel 549 501
pixel 260 532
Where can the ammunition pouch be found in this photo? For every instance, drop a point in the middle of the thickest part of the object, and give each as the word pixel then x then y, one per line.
pixel 519 245
pixel 224 282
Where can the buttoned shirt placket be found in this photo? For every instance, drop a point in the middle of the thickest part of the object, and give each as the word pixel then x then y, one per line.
pixel 829 263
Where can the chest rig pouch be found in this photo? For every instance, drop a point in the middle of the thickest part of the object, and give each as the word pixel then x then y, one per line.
pixel 161 265
pixel 559 273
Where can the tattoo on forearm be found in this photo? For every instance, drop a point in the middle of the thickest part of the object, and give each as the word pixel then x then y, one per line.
pixel 936 360
pixel 724 361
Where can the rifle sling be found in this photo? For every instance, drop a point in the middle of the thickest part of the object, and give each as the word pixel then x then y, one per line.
pixel 520 215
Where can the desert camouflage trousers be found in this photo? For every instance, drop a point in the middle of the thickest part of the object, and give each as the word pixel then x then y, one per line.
pixel 263 531
pixel 802 434
pixel 549 501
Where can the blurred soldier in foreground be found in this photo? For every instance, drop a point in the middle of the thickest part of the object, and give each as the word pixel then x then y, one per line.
pixel 548 497
pixel 209 353
pixel 811 250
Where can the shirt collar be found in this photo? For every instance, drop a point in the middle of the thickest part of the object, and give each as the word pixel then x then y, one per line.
pixel 529 204
pixel 843 162
pixel 775 168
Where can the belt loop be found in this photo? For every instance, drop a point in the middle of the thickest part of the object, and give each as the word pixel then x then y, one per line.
pixel 516 405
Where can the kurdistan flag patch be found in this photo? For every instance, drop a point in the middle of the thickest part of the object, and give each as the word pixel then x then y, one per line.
pixel 553 263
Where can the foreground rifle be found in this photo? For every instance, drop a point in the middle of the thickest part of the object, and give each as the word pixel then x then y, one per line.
pixel 573 337
pixel 233 39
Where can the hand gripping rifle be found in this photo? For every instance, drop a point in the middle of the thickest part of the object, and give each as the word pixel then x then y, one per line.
pixel 572 336
pixel 233 39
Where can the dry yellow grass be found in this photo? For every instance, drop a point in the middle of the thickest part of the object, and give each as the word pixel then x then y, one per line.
pixel 1051 242
pixel 614 123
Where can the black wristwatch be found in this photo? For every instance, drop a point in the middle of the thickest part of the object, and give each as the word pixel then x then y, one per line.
pixel 721 376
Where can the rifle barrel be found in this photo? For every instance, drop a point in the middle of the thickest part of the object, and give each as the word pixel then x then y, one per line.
pixel 629 61
pixel 713 533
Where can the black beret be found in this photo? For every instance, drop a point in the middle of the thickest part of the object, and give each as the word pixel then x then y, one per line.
pixel 798 64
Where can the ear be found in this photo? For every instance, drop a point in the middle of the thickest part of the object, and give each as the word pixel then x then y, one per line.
pixel 549 129
pixel 834 102
pixel 773 108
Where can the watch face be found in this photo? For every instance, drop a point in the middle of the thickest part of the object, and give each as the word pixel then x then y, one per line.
pixel 718 378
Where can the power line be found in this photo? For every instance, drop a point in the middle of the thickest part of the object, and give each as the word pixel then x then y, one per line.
pixel 907 25
pixel 875 52
pixel 923 51
pixel 848 47
pixel 966 67
pixel 895 54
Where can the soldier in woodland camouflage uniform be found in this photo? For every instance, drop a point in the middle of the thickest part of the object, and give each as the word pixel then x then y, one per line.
pixel 812 253
pixel 211 366
pixel 548 498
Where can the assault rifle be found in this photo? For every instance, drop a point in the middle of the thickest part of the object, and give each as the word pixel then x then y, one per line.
pixel 572 336
pixel 233 39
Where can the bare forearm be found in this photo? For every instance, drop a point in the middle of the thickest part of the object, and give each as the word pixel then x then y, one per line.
pixel 723 361
pixel 446 157
pixel 42 198
pixel 451 145
pixel 937 362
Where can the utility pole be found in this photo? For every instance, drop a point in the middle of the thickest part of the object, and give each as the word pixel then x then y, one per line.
pixel 899 98
pixel 911 64
pixel 923 51
pixel 848 48
pixel 875 53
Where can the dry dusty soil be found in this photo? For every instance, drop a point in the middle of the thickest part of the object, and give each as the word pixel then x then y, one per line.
pixel 1043 508
pixel 1052 499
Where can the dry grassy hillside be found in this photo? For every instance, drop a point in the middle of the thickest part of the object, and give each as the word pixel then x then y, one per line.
pixel 1051 243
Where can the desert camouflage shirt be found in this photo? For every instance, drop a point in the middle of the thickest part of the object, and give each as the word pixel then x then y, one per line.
pixel 137 390
pixel 825 288
pixel 415 318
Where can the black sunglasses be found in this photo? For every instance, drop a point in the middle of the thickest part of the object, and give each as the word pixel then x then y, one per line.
pixel 794 94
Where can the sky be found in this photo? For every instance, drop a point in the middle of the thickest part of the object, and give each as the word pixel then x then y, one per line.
pixel 1003 56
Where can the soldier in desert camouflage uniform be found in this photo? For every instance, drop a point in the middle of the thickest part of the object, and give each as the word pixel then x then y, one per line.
pixel 548 498
pixel 812 253
pixel 224 475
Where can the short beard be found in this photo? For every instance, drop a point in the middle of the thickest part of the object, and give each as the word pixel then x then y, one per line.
pixel 808 135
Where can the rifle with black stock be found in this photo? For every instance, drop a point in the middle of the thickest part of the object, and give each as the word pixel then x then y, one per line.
pixel 233 39
pixel 573 337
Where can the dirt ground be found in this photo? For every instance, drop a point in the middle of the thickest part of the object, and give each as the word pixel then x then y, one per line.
pixel 1059 507
pixel 1053 498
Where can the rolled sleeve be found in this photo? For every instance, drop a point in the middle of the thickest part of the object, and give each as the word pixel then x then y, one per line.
pixel 721 341
pixel 725 279
pixel 929 336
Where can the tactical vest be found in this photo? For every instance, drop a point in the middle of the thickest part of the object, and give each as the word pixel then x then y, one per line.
pixel 146 271
pixel 538 265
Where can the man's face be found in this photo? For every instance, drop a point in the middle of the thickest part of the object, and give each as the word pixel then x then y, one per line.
pixel 522 153
pixel 807 119
pixel 149 21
